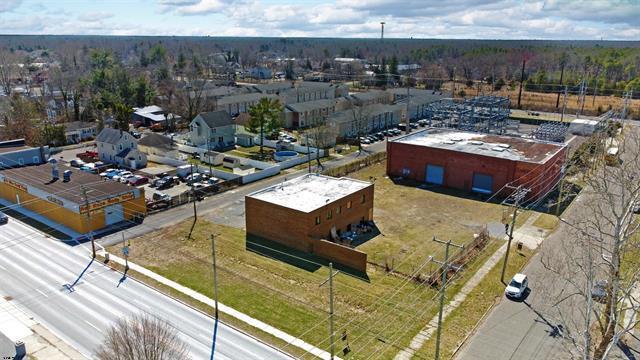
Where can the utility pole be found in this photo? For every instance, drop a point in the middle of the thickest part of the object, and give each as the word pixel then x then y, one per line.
pixel 193 197
pixel 86 203
pixel 445 266
pixel 524 61
pixel 564 103
pixel 562 65
pixel 518 195
pixel 584 96
pixel 331 331
pixel 408 121
pixel 561 188
pixel 215 293
pixel 125 252
pixel 306 134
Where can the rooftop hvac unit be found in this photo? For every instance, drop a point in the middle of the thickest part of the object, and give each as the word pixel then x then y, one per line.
pixel 66 175
pixel 475 142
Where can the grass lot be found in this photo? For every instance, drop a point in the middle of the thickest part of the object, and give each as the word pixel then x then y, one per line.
pixel 280 294
pixel 409 217
pixel 463 319
pixel 547 222
pixel 252 152
pixel 289 297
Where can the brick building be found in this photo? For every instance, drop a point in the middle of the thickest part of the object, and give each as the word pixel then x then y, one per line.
pixel 304 212
pixel 482 163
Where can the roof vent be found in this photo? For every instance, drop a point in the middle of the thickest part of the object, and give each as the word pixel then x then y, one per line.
pixel 66 176
pixel 476 142
pixel 448 142
pixel 455 139
pixel 504 146
pixel 498 149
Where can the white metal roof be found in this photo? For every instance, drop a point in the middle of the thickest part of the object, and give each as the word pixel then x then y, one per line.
pixel 309 192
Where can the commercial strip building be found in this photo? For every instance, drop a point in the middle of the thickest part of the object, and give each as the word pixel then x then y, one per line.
pixel 63 201
pixel 475 162
pixel 305 212
pixel 15 153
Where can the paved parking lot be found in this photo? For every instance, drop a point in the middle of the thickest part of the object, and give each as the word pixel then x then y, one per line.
pixel 173 191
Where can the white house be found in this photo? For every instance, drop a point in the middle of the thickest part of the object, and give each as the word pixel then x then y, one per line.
pixel 214 130
pixel 120 147
pixel 77 131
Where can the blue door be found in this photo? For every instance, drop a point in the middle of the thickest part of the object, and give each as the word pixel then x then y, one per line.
pixel 482 183
pixel 435 174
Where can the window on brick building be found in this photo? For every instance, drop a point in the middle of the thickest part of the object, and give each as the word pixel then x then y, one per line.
pixel 348 204
pixel 362 200
pixel 329 215
pixel 339 210
pixel 317 220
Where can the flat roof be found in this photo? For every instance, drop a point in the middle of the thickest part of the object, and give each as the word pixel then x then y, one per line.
pixel 491 145
pixel 39 177
pixel 9 149
pixel 309 192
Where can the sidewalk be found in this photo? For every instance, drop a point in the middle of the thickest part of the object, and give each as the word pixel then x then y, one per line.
pixel 226 309
pixel 39 342
pixel 527 233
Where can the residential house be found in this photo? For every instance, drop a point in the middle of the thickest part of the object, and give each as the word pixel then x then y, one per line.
pixel 214 130
pixel 78 131
pixel 16 153
pixel 151 115
pixel 119 147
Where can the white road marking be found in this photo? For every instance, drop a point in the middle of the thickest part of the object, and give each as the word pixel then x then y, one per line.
pixel 93 326
pixel 141 303
pixel 42 292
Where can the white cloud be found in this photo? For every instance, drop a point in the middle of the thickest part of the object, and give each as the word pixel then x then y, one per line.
pixel 8 5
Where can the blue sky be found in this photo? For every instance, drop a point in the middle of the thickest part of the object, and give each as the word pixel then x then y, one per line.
pixel 486 19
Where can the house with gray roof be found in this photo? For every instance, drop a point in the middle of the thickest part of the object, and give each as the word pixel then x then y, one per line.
pixel 214 130
pixel 155 144
pixel 121 148
pixel 77 131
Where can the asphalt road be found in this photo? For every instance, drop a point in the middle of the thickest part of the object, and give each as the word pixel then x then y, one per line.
pixel 227 207
pixel 34 270
pixel 536 328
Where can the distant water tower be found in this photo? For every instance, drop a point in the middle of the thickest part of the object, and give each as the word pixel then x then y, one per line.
pixel 382 30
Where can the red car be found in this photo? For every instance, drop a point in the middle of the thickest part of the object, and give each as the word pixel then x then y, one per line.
pixel 138 180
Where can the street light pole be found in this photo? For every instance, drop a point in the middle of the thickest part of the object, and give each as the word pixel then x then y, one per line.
pixel 215 293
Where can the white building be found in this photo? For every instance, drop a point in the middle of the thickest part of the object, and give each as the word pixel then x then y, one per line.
pixel 120 147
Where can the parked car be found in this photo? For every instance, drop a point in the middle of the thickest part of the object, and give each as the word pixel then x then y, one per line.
pixel 89 169
pixel 77 163
pixel 193 178
pixel 138 180
pixel 121 174
pixel 164 183
pixel 599 290
pixel 136 134
pixel 159 196
pixel 414 125
pixel 364 140
pixel 125 178
pixel 108 172
pixel 3 218
pixel 517 286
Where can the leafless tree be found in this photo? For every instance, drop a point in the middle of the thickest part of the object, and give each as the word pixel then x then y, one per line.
pixel 7 71
pixel 322 135
pixel 142 338
pixel 600 298
pixel 360 122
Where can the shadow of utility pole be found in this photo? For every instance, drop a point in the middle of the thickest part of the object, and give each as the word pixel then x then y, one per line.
pixel 70 287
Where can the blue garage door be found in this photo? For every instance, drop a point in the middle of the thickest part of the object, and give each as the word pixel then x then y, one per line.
pixel 435 174
pixel 482 183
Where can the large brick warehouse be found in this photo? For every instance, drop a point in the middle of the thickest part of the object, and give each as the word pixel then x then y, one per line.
pixel 304 212
pixel 482 163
